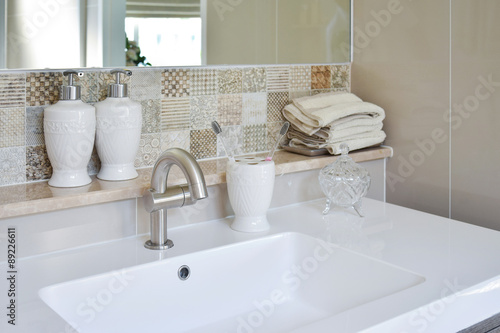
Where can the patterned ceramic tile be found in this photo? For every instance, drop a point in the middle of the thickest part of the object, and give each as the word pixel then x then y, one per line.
pixel 203 111
pixel 175 114
pixel 254 108
pixel 230 81
pixel 34 126
pixel 42 88
pixel 12 90
pixel 12 127
pixel 38 166
pixel 254 79
pixel 105 78
pixel 151 116
pixel 273 130
pixel 276 101
pixel 341 77
pixel 211 167
pixel 298 94
pixel 175 83
pixel 145 84
pixel 300 78
pixel 203 143
pixel 149 150
pixel 89 84
pixel 321 91
pixel 12 165
pixel 203 81
pixel 233 141
pixel 178 139
pixel 321 77
pixel 278 78
pixel 254 138
pixel 229 109
pixel 94 164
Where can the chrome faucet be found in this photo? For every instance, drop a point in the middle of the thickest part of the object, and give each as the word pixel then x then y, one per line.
pixel 158 198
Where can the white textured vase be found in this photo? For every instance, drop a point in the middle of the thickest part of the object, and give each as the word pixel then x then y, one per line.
pixel 119 122
pixel 69 127
pixel 250 184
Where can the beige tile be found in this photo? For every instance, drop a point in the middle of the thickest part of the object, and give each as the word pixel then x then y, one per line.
pixel 13 90
pixel 42 88
pixel 175 114
pixel 321 77
pixel 254 79
pixel 203 111
pixel 475 97
pixel 149 150
pixel 175 83
pixel 229 109
pixel 230 81
pixel 38 165
pixel 12 165
pixel 203 143
pixel 300 78
pixel 203 81
pixel 12 127
pixel 278 78
pixel 276 101
pixel 403 67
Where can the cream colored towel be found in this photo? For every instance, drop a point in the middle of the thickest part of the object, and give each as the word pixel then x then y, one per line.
pixel 313 121
pixel 327 120
pixel 299 120
pixel 334 134
pixel 354 142
pixel 358 142
pixel 309 104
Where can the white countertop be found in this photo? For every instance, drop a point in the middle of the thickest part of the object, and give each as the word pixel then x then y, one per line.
pixel 458 260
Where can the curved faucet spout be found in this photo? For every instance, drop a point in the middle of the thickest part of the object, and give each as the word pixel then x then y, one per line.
pixel 158 198
pixel 191 169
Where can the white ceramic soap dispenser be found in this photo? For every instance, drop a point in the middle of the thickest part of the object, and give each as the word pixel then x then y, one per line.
pixel 119 123
pixel 69 127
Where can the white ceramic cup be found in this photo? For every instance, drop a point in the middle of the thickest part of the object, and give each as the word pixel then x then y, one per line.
pixel 250 184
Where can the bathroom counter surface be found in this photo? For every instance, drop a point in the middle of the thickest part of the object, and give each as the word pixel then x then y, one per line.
pixel 458 263
pixel 39 197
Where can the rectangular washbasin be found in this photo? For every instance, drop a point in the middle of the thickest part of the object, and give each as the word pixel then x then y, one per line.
pixel 271 284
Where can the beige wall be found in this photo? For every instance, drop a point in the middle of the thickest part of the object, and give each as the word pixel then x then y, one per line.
pixel 430 75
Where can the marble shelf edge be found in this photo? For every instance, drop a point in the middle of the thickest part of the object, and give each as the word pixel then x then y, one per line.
pixel 39 197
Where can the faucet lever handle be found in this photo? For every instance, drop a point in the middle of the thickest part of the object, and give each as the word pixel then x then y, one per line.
pixel 174 197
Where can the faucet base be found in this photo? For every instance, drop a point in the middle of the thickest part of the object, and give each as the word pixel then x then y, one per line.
pixel 167 245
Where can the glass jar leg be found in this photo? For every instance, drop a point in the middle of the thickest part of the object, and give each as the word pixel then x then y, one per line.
pixel 327 207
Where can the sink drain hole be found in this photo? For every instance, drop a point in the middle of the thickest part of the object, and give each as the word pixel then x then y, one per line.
pixel 184 272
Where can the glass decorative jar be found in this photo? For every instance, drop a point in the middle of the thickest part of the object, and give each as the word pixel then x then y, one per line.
pixel 344 182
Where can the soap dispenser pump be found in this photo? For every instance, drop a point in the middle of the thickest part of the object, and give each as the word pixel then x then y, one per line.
pixel 119 123
pixel 69 127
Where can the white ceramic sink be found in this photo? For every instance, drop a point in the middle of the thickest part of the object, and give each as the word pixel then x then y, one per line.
pixel 271 284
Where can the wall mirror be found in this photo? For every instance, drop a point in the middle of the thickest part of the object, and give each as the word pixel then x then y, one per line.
pixel 92 33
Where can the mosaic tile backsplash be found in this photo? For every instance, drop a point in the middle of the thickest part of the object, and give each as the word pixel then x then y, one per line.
pixel 178 106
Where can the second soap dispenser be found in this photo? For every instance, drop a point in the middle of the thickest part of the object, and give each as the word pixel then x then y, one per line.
pixel 118 131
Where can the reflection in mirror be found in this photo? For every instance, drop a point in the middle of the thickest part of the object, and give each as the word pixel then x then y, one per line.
pixel 91 33
pixel 277 31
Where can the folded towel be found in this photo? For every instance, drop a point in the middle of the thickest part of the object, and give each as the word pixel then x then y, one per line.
pixel 311 122
pixel 299 120
pixel 354 142
pixel 334 134
pixel 308 104
pixel 327 120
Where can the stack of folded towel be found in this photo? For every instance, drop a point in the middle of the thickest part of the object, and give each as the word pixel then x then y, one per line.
pixel 329 119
